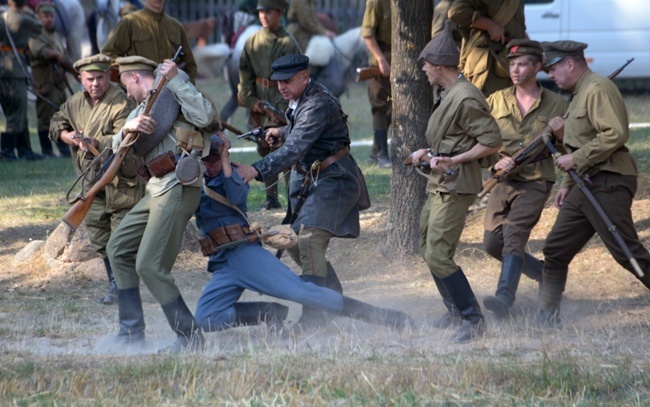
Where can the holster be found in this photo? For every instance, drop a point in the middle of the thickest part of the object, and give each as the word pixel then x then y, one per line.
pixel 158 166
pixel 222 235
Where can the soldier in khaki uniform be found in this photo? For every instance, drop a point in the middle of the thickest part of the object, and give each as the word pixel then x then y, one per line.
pixel 515 205
pixel 594 134
pixel 46 52
pixel 16 27
pixel 148 240
pixel 486 26
pixel 98 113
pixel 151 34
pixel 303 24
pixel 460 132
pixel 376 31
pixel 255 87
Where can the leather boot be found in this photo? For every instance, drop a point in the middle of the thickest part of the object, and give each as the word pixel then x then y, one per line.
pixel 463 297
pixel 553 287
pixel 332 280
pixel 533 269
pixel 381 140
pixel 452 316
pixel 254 313
pixel 8 145
pixel 312 318
pixel 374 315
pixel 129 308
pixel 110 296
pixel 506 287
pixel 46 144
pixel 645 280
pixel 188 334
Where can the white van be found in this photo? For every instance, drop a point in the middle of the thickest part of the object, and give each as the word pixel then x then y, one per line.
pixel 616 30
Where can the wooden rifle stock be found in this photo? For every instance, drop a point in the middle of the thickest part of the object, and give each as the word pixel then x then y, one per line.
pixel 76 214
pixel 67 66
pixel 275 114
pixel 233 129
pixel 363 74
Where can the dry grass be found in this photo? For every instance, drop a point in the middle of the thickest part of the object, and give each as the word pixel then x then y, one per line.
pixel 51 331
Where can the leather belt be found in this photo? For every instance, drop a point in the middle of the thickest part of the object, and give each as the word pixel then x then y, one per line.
pixel 5 48
pixel 221 238
pixel 326 162
pixel 267 83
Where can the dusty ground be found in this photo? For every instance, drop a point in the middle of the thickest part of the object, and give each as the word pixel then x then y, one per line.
pixel 52 311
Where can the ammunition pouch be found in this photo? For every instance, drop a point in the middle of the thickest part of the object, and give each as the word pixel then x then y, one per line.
pixel 217 237
pixel 158 167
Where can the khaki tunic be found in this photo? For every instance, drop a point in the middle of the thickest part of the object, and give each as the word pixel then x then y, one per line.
pixel 597 126
pixel 477 63
pixel 22 26
pixel 460 122
pixel 49 78
pixel 151 35
pixel 260 51
pixel 302 22
pixel 377 23
pixel 518 131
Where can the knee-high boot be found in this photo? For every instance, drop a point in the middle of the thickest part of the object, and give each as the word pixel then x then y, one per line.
pixel 552 289
pixel 254 313
pixel 374 315
pixel 110 296
pixel 506 287
pixel 312 318
pixel 533 269
pixel 188 334
pixel 46 144
pixel 463 297
pixel 452 316
pixel 332 280
pixel 8 145
pixel 129 306
pixel 381 141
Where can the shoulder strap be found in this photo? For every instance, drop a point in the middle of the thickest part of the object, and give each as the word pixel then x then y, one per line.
pixel 222 200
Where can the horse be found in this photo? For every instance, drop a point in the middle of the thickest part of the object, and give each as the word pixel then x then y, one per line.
pixel 347 48
pixel 70 24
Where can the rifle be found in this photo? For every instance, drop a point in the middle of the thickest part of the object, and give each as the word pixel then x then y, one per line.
pixel 599 209
pixel 363 74
pixel 424 162
pixel 67 66
pixel 532 150
pixel 274 113
pixel 76 214
pixel 233 129
pixel 79 135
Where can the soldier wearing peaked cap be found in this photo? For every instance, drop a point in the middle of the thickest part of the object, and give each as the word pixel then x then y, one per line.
pixel 460 133
pixel 255 85
pixel 316 141
pixel 515 205
pixel 594 134
pixel 93 116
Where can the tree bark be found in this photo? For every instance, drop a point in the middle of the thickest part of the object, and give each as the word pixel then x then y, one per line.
pixel 412 105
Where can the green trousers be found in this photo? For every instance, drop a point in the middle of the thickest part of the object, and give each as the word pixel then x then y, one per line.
pixel 310 251
pixel 147 242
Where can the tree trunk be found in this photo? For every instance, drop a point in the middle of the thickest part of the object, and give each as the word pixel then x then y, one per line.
pixel 412 104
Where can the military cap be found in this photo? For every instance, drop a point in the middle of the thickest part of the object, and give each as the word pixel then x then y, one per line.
pixel 273 4
pixel 135 63
pixel 286 66
pixel 46 6
pixel 519 47
pixel 98 62
pixel 442 49
pixel 558 50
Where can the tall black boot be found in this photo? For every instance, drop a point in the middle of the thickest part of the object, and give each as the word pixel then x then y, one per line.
pixel 312 318
pixel 506 287
pixel 553 287
pixel 189 337
pixel 452 316
pixel 463 297
pixel 110 296
pixel 8 145
pixel 332 280
pixel 374 315
pixel 129 308
pixel 24 147
pixel 381 140
pixel 46 143
pixel 254 313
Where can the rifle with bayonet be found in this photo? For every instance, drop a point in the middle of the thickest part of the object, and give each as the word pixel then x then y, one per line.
pixel 75 215
pixel 533 151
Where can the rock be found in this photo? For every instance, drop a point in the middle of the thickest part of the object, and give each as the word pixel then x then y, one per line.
pixel 69 246
pixel 28 252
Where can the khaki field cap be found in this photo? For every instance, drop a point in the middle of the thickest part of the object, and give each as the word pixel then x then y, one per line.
pixel 442 50
pixel 98 62
pixel 45 6
pixel 520 47
pixel 558 50
pixel 281 5
pixel 135 63
pixel 285 67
